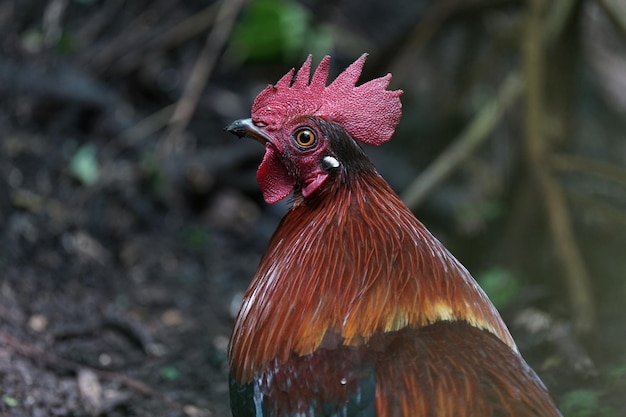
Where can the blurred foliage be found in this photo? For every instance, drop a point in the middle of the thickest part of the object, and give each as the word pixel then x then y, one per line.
pixel 618 373
pixel 585 403
pixel 473 215
pixel 279 30
pixel 10 401
pixel 66 44
pixel 154 173
pixel 501 285
pixel 84 165
pixel 34 40
pixel 169 373
pixel 196 237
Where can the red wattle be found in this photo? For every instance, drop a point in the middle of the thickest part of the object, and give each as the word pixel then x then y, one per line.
pixel 275 181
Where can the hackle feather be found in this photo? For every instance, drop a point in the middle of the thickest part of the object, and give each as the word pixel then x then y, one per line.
pixel 360 266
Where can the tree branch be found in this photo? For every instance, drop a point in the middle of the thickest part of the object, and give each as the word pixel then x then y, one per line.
pixel 600 169
pixel 616 11
pixel 200 73
pixel 578 282
pixel 474 135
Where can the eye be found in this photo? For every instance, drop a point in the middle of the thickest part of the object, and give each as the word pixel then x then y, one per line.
pixel 305 138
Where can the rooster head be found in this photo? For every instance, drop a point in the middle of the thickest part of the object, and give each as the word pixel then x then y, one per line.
pixel 305 125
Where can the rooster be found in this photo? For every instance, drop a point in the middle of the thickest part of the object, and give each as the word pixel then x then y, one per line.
pixel 356 309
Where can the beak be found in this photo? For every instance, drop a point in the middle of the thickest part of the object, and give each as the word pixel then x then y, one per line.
pixel 247 128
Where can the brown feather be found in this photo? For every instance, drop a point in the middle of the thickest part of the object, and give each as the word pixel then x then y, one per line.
pixel 451 369
pixel 354 265
pixel 447 369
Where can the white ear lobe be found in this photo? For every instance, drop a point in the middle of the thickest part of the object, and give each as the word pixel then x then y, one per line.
pixel 330 162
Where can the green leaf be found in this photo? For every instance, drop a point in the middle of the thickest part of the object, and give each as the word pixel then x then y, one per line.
pixel 155 174
pixel 500 284
pixel 84 165
pixel 10 401
pixel 196 237
pixel 170 373
pixel 278 30
pixel 65 44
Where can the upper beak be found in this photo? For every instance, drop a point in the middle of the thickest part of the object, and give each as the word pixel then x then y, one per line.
pixel 246 127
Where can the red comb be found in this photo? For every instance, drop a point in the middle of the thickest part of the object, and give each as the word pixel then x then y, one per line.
pixel 369 112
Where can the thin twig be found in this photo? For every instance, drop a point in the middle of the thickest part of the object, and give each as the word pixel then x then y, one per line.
pixel 600 169
pixel 187 29
pixel 183 31
pixel 429 24
pixel 600 208
pixel 53 21
pixel 419 38
pixel 148 126
pixel 561 12
pixel 616 11
pixel 534 79
pixel 92 27
pixel 186 106
pixel 577 277
pixel 474 135
pixel 157 41
pixel 132 36
pixel 578 281
pixel 479 129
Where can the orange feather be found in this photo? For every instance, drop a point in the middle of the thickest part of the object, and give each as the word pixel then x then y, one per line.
pixel 403 278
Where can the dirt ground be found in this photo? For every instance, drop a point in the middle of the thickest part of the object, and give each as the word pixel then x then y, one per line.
pixel 121 266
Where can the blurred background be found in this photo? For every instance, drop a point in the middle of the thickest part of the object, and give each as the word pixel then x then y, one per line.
pixel 131 223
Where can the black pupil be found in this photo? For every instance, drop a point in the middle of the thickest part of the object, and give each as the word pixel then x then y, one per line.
pixel 305 138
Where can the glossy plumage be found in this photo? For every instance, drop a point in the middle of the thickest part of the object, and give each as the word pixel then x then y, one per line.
pixel 356 309
pixel 447 369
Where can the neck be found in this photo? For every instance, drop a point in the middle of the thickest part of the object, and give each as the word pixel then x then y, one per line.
pixel 344 265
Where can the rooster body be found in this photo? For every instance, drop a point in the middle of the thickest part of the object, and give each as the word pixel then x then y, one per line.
pixel 356 309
